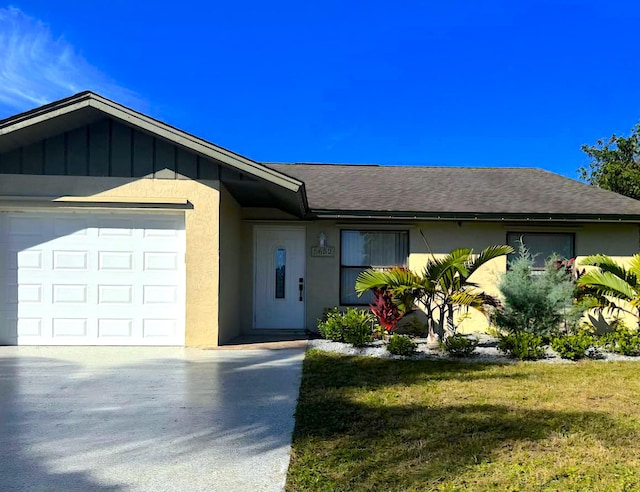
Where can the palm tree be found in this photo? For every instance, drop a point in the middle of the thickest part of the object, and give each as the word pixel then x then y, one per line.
pixel 442 288
pixel 609 280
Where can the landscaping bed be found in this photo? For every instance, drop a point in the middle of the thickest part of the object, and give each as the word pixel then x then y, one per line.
pixel 486 351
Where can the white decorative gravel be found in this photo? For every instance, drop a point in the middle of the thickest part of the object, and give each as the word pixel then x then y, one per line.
pixel 485 352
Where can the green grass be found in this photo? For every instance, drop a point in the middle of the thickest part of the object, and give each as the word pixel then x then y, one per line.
pixel 393 425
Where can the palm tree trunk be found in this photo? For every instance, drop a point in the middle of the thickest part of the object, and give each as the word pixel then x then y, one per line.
pixel 441 324
pixel 451 327
pixel 432 335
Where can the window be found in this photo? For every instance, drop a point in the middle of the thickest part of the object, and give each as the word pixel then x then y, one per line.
pixel 542 245
pixel 281 264
pixel 360 250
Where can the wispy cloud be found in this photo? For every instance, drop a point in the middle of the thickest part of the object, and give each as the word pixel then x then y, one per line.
pixel 36 67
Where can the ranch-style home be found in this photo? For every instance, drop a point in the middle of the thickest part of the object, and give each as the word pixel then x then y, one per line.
pixel 118 229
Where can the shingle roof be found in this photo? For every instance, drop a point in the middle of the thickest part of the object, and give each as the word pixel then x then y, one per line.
pixel 450 190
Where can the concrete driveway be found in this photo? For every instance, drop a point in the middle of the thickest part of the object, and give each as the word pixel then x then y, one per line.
pixel 146 419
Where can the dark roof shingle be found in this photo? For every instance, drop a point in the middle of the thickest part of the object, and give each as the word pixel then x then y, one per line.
pixel 451 190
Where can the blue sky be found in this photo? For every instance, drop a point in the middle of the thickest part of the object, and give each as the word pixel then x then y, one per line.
pixel 460 83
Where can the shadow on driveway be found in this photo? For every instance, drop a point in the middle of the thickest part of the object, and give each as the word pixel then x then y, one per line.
pixel 107 418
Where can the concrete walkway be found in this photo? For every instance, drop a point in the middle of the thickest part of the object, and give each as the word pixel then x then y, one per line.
pixel 146 419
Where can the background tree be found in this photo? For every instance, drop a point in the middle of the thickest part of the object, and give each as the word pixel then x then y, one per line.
pixel 615 164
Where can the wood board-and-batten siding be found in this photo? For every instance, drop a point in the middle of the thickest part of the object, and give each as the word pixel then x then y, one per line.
pixel 110 148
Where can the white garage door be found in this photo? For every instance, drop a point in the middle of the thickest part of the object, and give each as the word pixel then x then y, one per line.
pixel 92 278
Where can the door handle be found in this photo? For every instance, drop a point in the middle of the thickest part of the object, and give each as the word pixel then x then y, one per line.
pixel 300 287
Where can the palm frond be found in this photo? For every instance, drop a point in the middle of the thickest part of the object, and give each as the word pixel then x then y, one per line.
pixel 608 284
pixel 602 303
pixel 634 265
pixel 476 300
pixel 486 255
pixel 608 264
pixel 446 267
pixel 460 257
pixel 382 279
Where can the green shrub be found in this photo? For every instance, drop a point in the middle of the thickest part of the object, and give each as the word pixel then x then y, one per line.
pixel 523 346
pixel 459 345
pixel 623 341
pixel 358 327
pixel 354 326
pixel 536 303
pixel 573 347
pixel 401 345
pixel 330 326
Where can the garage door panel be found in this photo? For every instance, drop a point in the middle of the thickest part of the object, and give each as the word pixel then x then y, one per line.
pixel 110 327
pixel 29 327
pixel 70 327
pixel 22 227
pixel 65 260
pixel 28 259
pixel 116 261
pixel 70 294
pixel 160 261
pixel 92 279
pixel 70 227
pixel 117 295
pixel 116 227
pixel 159 328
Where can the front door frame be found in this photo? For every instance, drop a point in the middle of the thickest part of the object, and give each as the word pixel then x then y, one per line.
pixel 286 227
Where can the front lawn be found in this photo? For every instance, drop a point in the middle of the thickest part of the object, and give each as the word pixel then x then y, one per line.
pixel 396 425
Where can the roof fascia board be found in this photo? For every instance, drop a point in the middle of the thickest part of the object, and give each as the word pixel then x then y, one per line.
pixel 28 119
pixel 377 215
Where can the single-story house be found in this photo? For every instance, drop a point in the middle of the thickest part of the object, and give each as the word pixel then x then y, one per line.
pixel 118 229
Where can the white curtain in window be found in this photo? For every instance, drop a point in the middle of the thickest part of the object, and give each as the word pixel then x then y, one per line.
pixel 374 248
pixel 363 249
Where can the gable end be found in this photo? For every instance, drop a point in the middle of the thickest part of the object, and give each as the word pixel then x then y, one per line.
pixel 108 148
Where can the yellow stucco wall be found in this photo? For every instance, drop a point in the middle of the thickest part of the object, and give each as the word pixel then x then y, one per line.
pixel 442 237
pixel 247 276
pixel 617 240
pixel 323 273
pixel 231 298
pixel 201 225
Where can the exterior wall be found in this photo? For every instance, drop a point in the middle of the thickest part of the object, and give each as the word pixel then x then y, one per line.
pixel 247 276
pixel 443 237
pixel 617 240
pixel 201 223
pixel 231 298
pixel 323 273
pixel 620 241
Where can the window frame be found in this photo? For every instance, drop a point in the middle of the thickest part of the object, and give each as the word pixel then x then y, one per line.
pixel 570 234
pixel 341 266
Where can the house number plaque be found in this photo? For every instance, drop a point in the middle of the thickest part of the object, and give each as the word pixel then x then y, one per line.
pixel 323 251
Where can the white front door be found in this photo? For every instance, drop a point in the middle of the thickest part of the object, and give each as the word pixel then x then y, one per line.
pixel 280 284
